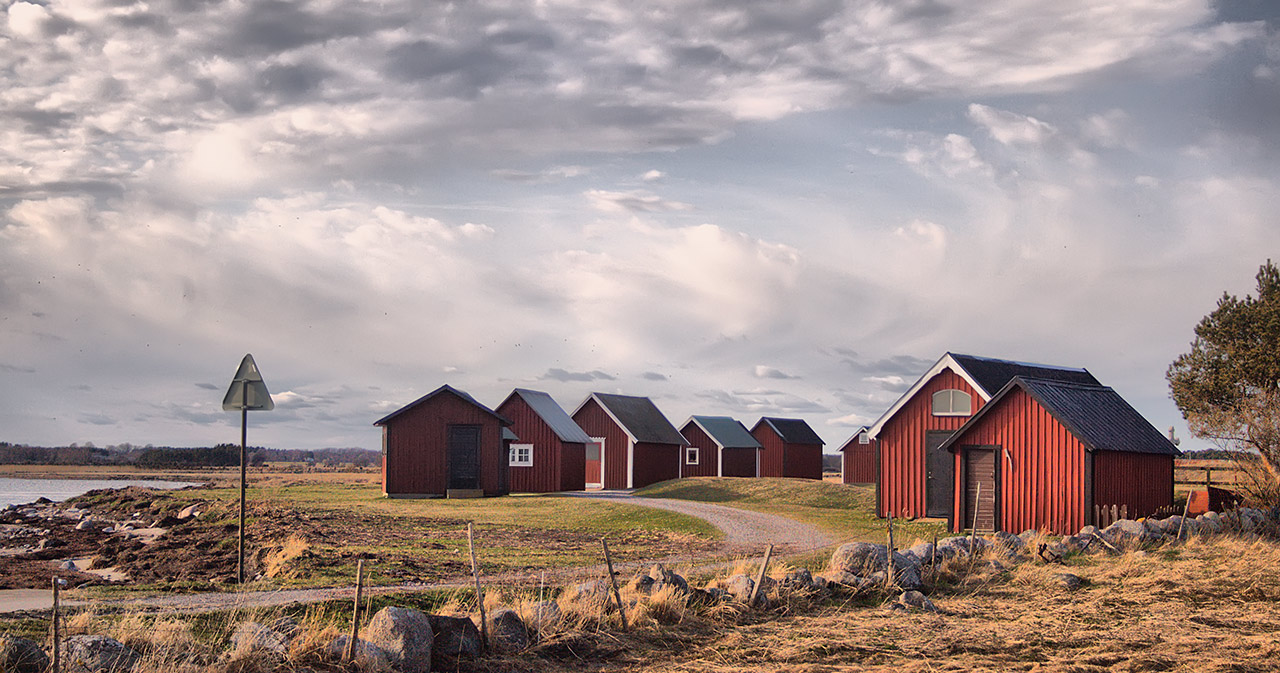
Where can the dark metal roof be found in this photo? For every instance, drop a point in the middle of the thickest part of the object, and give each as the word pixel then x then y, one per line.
pixel 1095 414
pixel 641 419
pixel 728 433
pixel 443 389
pixel 792 430
pixel 553 415
pixel 993 374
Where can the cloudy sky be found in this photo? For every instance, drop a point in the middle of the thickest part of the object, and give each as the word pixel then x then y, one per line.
pixel 746 208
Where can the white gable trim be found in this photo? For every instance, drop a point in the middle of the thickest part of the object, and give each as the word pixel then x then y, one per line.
pixel 945 362
pixel 607 411
pixel 704 430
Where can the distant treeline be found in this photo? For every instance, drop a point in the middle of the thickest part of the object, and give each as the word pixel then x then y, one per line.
pixel 167 456
pixel 1218 454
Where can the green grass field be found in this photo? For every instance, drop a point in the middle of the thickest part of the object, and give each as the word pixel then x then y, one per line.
pixel 848 511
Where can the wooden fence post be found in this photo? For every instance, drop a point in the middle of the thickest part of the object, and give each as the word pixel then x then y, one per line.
pixel 1185 508
pixel 350 654
pixel 613 581
pixel 475 575
pixel 889 577
pixel 933 556
pixel 57 632
pixel 764 567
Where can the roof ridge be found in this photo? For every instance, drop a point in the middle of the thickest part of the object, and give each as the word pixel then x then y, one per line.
pixel 1040 365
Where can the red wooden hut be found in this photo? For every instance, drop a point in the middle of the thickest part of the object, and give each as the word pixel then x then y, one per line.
pixel 444 443
pixel 1042 454
pixel 858 458
pixel 914 475
pixel 719 446
pixel 550 452
pixel 791 448
pixel 633 444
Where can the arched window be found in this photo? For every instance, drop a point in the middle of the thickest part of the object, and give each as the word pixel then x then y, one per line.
pixel 952 403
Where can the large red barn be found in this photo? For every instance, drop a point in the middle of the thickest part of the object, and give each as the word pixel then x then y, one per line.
pixel 858 458
pixel 914 475
pixel 444 443
pixel 719 446
pixel 1041 454
pixel 550 452
pixel 633 444
pixel 791 448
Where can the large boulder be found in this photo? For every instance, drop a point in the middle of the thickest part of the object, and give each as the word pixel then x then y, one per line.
pixel 96 654
pixel 19 655
pixel 545 617
pixel 739 586
pixel 663 578
pixel 860 558
pixel 405 635
pixel 914 601
pixel 922 551
pixel 850 581
pixel 799 579
pixel 1069 581
pixel 454 639
pixel 1125 532
pixel 507 632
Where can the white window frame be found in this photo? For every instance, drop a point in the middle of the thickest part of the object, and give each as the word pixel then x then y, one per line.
pixel 951 394
pixel 513 461
pixel 692 452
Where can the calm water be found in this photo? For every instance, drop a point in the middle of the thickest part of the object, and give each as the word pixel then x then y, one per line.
pixel 21 491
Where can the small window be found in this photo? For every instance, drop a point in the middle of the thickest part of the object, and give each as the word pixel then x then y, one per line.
pixel 952 403
pixel 521 455
pixel 864 437
pixel 593 451
pixel 691 455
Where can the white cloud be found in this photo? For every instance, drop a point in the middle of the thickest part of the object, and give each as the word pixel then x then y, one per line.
pixel 1010 128
pixel 638 201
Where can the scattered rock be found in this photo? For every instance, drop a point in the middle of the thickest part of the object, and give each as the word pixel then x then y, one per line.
pixel 286 626
pixel 405 635
pixel 798 579
pixel 95 654
pixel 507 632
pixel 642 585
pixel 368 657
pixel 189 511
pixel 19 655
pixel 860 557
pixel 663 578
pixel 922 551
pixel 850 581
pixel 252 636
pixel 455 639
pixel 545 616
pixel 1070 582
pixel 916 601
pixel 85 524
pixel 739 587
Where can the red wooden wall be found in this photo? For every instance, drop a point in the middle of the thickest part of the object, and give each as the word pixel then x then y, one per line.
pixel 1041 467
pixel 802 461
pixel 858 462
pixel 596 422
pixel 1143 481
pixel 773 455
pixel 707 460
pixel 655 463
pixel 416 443
pixel 557 465
pixel 901 446
pixel 738 463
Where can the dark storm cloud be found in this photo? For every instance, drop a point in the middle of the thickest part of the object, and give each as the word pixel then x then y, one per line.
pixel 273 26
pixel 653 376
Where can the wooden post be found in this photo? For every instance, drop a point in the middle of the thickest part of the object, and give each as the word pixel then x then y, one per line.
pixel 57 633
pixel 1185 508
pixel 475 574
pixel 933 555
pixel 889 576
pixel 350 654
pixel 764 567
pixel 613 582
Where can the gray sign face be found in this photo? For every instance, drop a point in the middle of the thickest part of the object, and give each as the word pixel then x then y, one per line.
pixel 248 391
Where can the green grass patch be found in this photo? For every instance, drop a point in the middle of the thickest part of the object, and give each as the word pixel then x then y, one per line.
pixel 847 511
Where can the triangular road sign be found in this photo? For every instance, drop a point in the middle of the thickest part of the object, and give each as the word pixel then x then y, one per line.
pixel 248 391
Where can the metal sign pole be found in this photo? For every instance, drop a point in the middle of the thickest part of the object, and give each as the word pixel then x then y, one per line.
pixel 250 394
pixel 244 422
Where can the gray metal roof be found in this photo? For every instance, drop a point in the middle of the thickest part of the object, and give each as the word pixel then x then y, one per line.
pixel 792 430
pixel 509 436
pixel 641 419
pixel 992 374
pixel 1096 415
pixel 443 389
pixel 728 433
pixel 553 415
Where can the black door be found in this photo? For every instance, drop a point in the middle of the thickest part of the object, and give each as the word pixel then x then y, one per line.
pixel 464 456
pixel 940 472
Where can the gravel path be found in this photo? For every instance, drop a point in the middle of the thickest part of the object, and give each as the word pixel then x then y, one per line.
pixel 744 530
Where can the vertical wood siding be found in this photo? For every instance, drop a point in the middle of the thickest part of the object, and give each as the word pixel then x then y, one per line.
pixel 554 466
pixel 1041 467
pixel 707 450
pixel 655 463
pixel 595 421
pixel 858 462
pixel 417 447
pixel 901 446
pixel 773 456
pixel 1142 481
pixel 802 461
pixel 739 463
